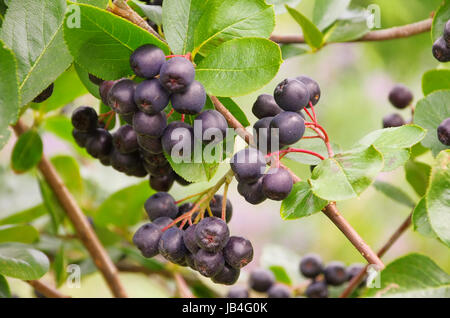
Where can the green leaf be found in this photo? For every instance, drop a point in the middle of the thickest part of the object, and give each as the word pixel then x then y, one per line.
pixel 59 267
pixel 430 112
pixel 317 145
pixel 312 34
pixel 222 21
pixel 239 66
pixel 326 12
pixel 346 175
pixel 351 27
pixel 301 202
pixel 104 42
pixel 435 80
pixel 438 197
pixel 97 3
pixel 124 207
pixel 34 31
pixel 4 288
pixel 418 175
pixel 420 220
pixel 84 78
pixel 18 233
pixel 69 172
pixel 280 274
pixel 293 50
pixel 232 107
pixel 440 19
pixel 394 193
pixel 25 216
pixel 52 204
pixel 194 171
pixel 27 151
pixel 412 276
pixel 152 12
pixel 22 261
pixel 9 92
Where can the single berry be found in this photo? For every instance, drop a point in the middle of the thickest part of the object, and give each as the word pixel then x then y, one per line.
pixel 317 290
pixel 208 264
pixel 147 239
pixel 265 106
pixel 335 273
pixel 105 160
pixel 189 238
pixel 263 135
pixel 171 245
pixel 125 162
pixel 95 80
pixel 291 95
pixel 104 89
pixel 80 137
pixel 227 276
pixel 156 160
pixel 277 184
pixel 149 125
pixel 447 33
pixel 158 171
pixel 151 145
pixel 238 292
pixel 146 61
pixel 252 192
pixel 84 119
pixel 311 266
pixel 99 144
pixel 288 127
pixel 261 280
pixel 216 207
pixel 125 139
pixel 313 88
pixel 191 101
pixel 177 74
pixel 162 183
pixel 178 139
pixel 161 204
pixel 162 222
pixel 238 252
pixel 248 165
pixel 150 97
pixel 44 95
pixel 400 96
pixel 279 291
pixel 214 125
pixel 212 234
pixel 121 97
pixel 393 120
pixel 443 132
pixel 441 51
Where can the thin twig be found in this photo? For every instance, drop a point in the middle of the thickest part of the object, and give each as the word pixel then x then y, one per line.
pixel 46 290
pixel 79 221
pixel 182 287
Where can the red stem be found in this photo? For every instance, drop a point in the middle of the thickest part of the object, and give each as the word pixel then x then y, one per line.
pixel 182 118
pixel 313 111
pixel 288 150
pixel 170 113
pixel 186 56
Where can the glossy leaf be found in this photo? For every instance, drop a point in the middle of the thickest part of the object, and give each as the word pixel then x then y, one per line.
pixel 194 171
pixel 312 34
pixel 18 233
pixel 4 288
pixel 84 78
pixel 326 12
pixel 59 267
pixel 22 261
pixel 25 216
pixel 420 220
pixel 52 204
pixel 418 175
pixel 293 50
pixel 280 274
pixel 440 18
pixel 279 5
pixel 152 12
pixel 27 151
pixel 69 172
pixel 351 26
pixel 435 80
pixel 394 193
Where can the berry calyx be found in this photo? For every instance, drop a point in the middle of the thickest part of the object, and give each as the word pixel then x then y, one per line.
pixel 441 51
pixel 212 234
pixel 177 74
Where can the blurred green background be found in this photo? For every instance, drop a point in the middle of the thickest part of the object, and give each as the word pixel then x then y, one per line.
pixel 355 80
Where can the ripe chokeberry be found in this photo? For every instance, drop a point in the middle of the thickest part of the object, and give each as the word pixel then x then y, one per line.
pixel 147 239
pixel 171 245
pixel 44 95
pixel 212 234
pixel 289 127
pixel 150 97
pixel 443 132
pixel 227 276
pixel 146 61
pixel 313 88
pixel 158 171
pixel 261 280
pixel 177 74
pixel 277 184
pixel 121 97
pixel 214 125
pixel 99 143
pixel 189 238
pixel 190 101
pixel 393 120
pixel 80 137
pixel 238 292
pixel 279 291
pixel 162 222
pixel 149 125
pixel 335 273
pixel 291 95
pixel 317 290
pixel 248 165
pixel 125 162
pixel 252 192
pixel 311 266
pixel 441 51
pixel 354 270
pixel 216 207
pixel 94 79
pixel 155 160
pixel 125 139
pixel 190 261
pixel 263 135
pixel 207 263
pixel 400 96
pixel 238 252
pixel 265 106
pixel 180 136
pixel 162 183
pixel 161 204
pixel 84 119
pixel 104 89
pixel 150 144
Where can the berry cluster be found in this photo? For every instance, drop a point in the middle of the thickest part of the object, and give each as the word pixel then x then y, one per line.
pixel 441 48
pixel 206 246
pixel 400 97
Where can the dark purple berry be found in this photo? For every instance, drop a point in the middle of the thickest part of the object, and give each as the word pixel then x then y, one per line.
pixel 443 132
pixel 150 125
pixel 80 137
pixel 252 192
pixel 288 127
pixel 191 101
pixel 156 160
pixel 393 120
pixel 151 145
pixel 162 183
pixel 248 165
pixel 104 89
pixel 335 273
pixel 263 135
pixel 121 97
pixel 261 280
pixel 178 140
pixel 99 144
pixel 208 264
pixel 238 252
pixel 216 207
pixel 44 95
pixel 400 96
pixel 291 95
pixel 313 89
pixel 441 51
pixel 161 204
pixel 238 292
pixel 265 106
pixel 279 291
pixel 146 61
pixel 84 119
pixel 150 97
pixel 189 238
pixel 214 125
pixel 158 171
pixel 162 222
pixel 212 234
pixel 277 184
pixel 147 239
pixel 125 139
pixel 317 290
pixel 171 245
pixel 311 266
pixel 227 276
pixel 177 74
pixel 125 162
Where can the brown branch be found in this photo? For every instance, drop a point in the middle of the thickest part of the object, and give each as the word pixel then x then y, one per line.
pixel 79 221
pixel 46 290
pixel 379 35
pixel 394 237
